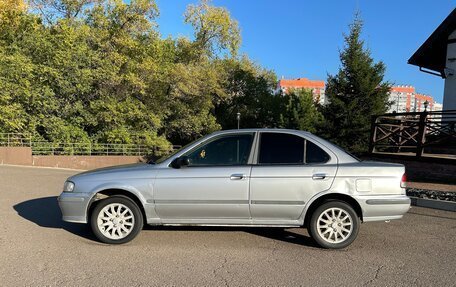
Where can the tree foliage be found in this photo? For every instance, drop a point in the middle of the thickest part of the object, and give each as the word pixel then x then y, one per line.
pixel 99 71
pixel 215 30
pixel 355 93
pixel 12 5
pixel 300 111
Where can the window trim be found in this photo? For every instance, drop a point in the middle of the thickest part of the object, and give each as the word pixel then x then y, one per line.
pixel 216 137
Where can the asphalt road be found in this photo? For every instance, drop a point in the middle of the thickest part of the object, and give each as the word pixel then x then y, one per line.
pixel 38 249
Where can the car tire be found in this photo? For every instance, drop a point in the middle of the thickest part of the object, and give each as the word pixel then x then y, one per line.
pixel 334 225
pixel 116 220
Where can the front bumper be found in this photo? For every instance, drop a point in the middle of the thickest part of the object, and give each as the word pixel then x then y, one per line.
pixel 384 207
pixel 74 206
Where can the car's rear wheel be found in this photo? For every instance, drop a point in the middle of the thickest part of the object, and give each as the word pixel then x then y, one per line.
pixel 116 220
pixel 334 225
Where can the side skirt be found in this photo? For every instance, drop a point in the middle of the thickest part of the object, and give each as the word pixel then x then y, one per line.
pixel 225 222
pixel 228 225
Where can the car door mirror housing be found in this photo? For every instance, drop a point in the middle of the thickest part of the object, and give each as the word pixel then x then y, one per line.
pixel 180 162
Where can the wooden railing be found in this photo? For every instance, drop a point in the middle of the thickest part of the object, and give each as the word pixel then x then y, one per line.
pixel 418 134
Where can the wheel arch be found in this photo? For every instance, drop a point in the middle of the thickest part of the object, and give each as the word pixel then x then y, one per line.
pixel 332 197
pixel 105 193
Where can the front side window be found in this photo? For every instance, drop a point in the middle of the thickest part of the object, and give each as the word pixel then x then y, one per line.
pixel 225 150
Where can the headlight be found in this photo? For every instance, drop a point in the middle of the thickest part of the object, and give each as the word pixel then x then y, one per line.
pixel 68 186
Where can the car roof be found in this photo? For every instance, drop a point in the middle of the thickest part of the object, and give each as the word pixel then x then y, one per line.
pixel 261 130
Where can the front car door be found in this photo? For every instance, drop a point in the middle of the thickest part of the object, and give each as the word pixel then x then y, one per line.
pixel 289 170
pixel 213 188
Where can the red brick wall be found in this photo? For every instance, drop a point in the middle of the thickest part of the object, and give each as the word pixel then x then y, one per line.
pixel 82 162
pixel 16 155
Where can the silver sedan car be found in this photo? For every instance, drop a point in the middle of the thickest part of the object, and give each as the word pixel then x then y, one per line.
pixel 250 177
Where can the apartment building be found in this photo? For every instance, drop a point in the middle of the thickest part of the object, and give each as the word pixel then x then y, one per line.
pixel 405 99
pixel 317 87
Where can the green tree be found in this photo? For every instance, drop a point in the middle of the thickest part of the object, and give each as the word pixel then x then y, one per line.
pixel 53 10
pixel 12 5
pixel 355 93
pixel 247 90
pixel 215 30
pixel 299 111
pixel 99 71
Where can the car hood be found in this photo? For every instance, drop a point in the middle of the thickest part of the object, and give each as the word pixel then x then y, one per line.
pixel 135 170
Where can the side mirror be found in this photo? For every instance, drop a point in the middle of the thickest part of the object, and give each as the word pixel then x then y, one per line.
pixel 180 162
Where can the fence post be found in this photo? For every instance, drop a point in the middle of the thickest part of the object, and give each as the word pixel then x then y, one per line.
pixel 373 134
pixel 421 134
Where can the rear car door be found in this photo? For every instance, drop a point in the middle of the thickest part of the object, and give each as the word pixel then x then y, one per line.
pixel 289 170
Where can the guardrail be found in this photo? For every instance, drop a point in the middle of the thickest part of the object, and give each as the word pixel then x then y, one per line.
pixel 89 148
pixel 14 139
pixel 423 133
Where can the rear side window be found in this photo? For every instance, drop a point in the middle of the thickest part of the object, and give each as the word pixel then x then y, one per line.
pixel 282 148
pixel 279 148
pixel 315 154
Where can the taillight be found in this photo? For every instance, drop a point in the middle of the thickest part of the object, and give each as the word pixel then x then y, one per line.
pixel 404 181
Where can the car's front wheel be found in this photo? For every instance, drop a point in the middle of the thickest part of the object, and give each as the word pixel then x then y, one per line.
pixel 116 220
pixel 334 225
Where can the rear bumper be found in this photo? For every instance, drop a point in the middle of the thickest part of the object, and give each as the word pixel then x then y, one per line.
pixel 74 206
pixel 380 208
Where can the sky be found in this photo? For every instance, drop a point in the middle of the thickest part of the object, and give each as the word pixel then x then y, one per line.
pixel 302 39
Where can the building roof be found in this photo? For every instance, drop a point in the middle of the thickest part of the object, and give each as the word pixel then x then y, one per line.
pixel 403 89
pixel 423 97
pixel 432 53
pixel 301 83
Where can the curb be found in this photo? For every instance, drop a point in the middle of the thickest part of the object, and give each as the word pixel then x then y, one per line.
pixel 435 204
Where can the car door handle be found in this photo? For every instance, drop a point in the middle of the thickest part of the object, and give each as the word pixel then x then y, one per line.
pixel 319 176
pixel 237 176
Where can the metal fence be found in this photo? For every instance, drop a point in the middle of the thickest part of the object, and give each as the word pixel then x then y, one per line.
pixel 424 133
pixel 88 148
pixel 14 139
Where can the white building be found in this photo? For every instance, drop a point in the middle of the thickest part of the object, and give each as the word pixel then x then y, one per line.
pixel 438 107
pixel 437 56
pixel 405 99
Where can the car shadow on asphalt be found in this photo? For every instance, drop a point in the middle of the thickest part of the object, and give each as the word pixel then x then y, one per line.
pixel 284 235
pixel 45 212
pixel 279 234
